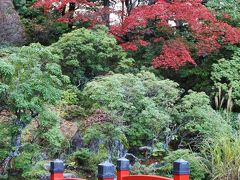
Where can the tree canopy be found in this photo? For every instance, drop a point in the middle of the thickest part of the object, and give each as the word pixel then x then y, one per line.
pixel 30 79
pixel 184 29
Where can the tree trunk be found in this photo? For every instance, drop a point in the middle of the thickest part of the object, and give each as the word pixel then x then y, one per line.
pixel 106 15
pixel 17 141
pixel 11 30
pixel 71 10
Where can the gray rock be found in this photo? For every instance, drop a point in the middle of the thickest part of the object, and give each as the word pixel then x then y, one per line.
pixel 45 177
pixel 69 175
pixel 77 141
pixel 11 30
pixel 46 166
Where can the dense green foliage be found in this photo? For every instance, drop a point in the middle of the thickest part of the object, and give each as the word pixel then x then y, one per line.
pixel 86 54
pixel 38 26
pixel 225 75
pixel 134 101
pixel 222 157
pixel 227 10
pixel 31 80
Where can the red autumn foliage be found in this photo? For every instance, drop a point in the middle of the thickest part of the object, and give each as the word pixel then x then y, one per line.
pixel 81 10
pixel 61 4
pixel 226 16
pixel 151 24
pixel 131 46
pixel 174 55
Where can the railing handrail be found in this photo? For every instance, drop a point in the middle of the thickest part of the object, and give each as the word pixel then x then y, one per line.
pixel 106 171
pixel 145 177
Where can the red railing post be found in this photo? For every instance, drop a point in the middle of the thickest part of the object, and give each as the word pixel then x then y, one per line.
pixel 122 168
pixel 56 170
pixel 181 170
pixel 106 171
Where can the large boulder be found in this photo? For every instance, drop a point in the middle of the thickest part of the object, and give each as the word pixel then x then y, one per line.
pixel 11 30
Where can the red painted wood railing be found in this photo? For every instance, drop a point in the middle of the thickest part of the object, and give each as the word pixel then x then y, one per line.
pixel 180 171
pixel 145 177
pixel 57 171
pixel 106 171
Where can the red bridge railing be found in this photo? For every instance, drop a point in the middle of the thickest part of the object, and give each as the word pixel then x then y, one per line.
pixel 57 171
pixel 106 171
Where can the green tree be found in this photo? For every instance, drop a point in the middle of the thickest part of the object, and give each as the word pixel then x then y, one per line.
pixel 29 80
pixel 196 167
pixel 88 53
pixel 134 103
pixel 198 121
pixel 227 10
pixel 225 75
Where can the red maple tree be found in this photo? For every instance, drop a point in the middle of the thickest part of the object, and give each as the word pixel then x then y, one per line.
pixel 71 11
pixel 174 55
pixel 162 22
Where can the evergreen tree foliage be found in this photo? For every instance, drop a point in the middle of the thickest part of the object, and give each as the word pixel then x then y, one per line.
pixel 30 79
pixel 87 53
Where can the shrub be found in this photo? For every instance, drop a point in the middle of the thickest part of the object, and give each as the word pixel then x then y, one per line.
pixel 225 76
pixel 87 53
pixel 196 167
pixel 86 160
pixel 133 103
pixel 222 157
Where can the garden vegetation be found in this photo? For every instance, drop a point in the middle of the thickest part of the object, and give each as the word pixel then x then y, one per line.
pixel 162 84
